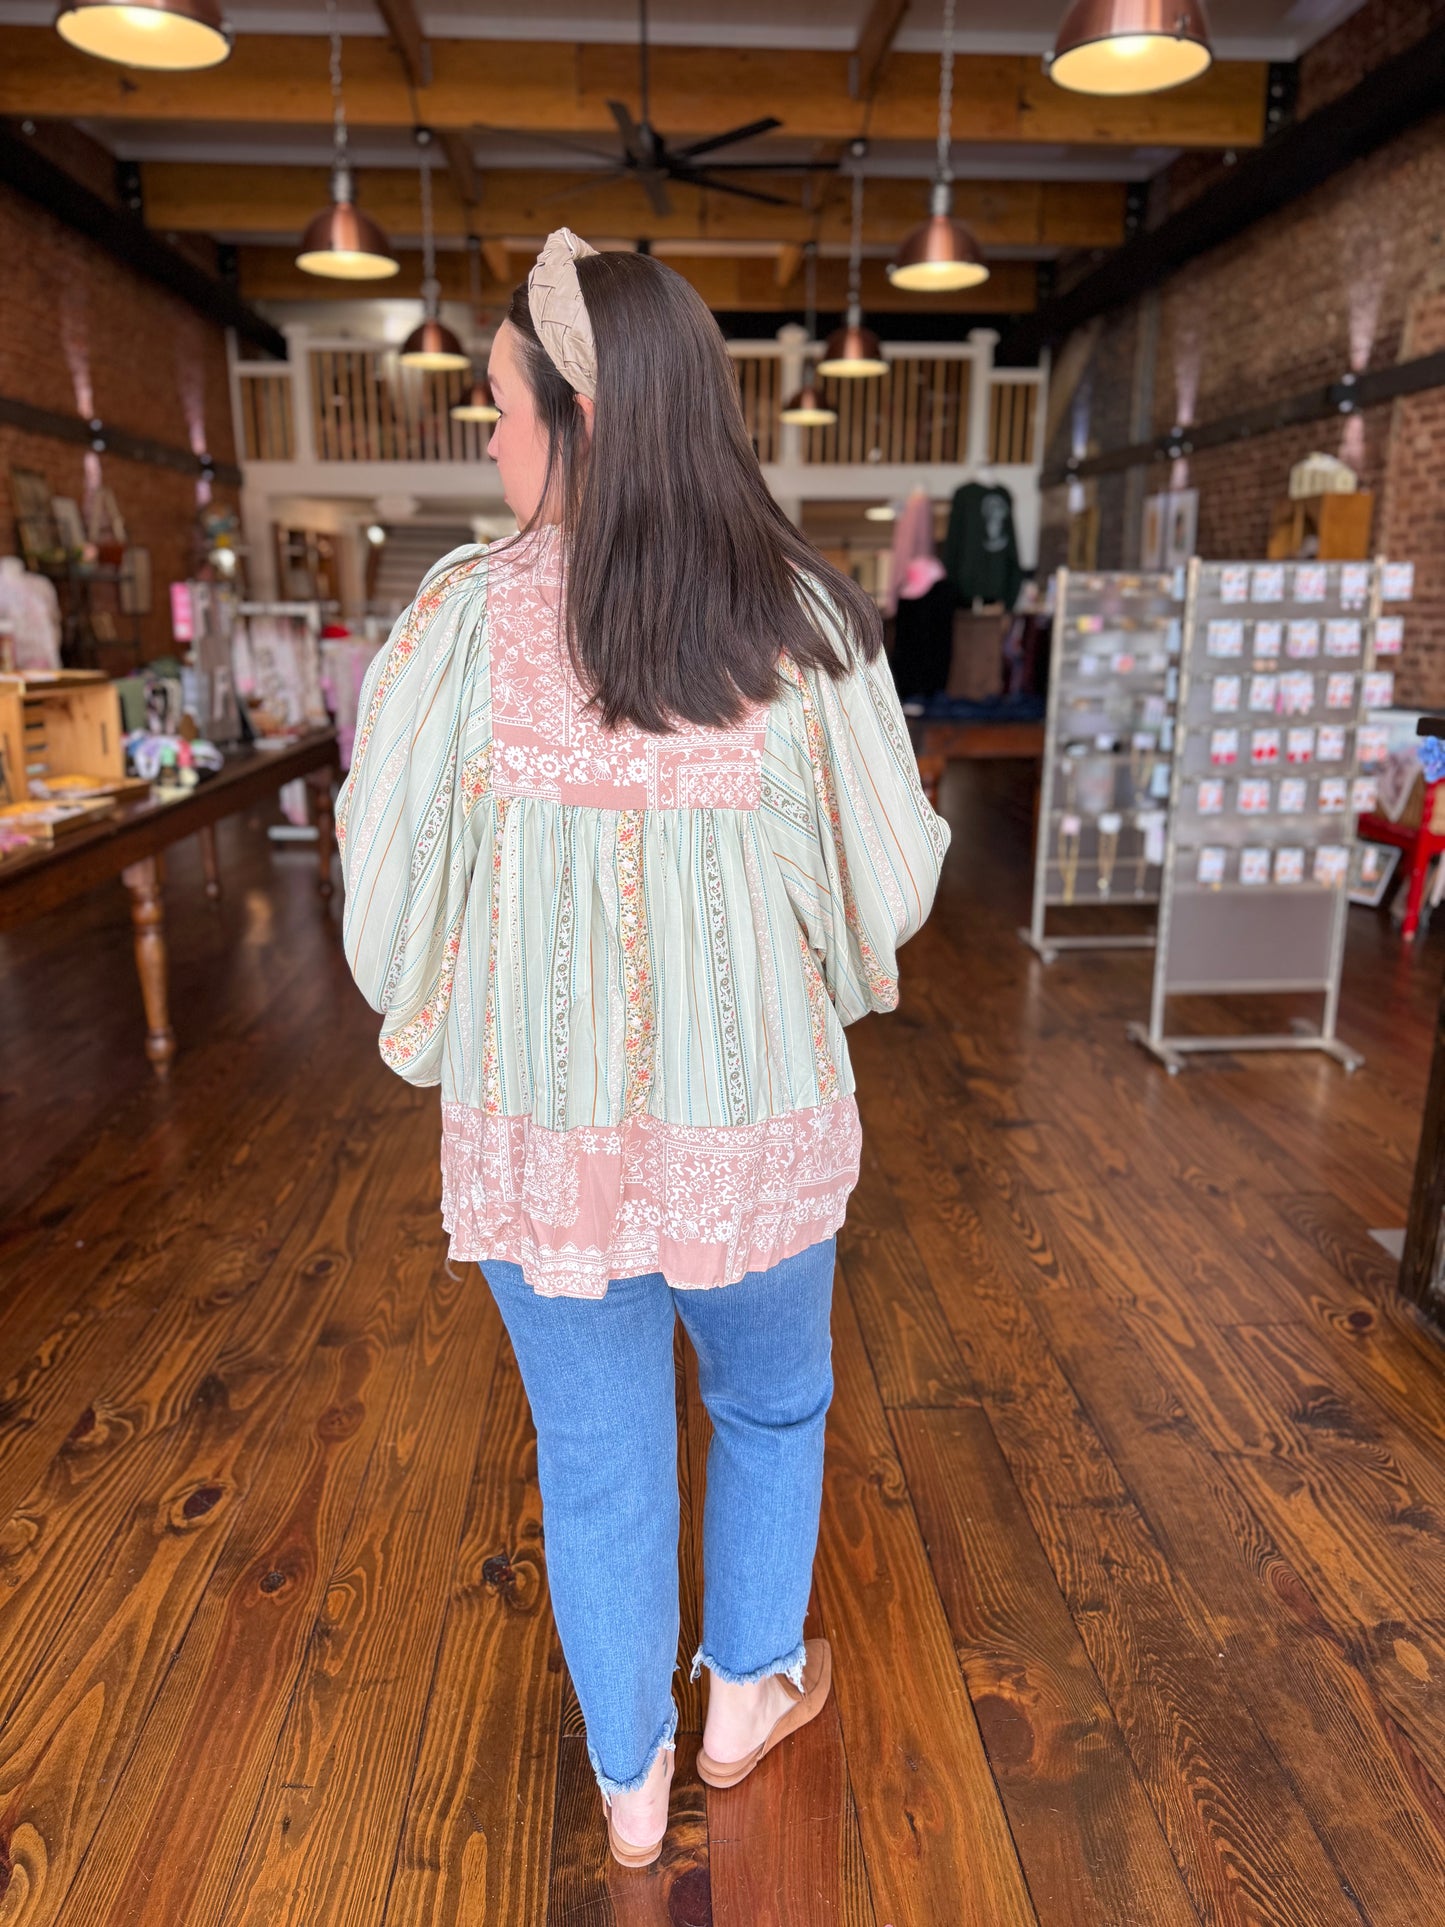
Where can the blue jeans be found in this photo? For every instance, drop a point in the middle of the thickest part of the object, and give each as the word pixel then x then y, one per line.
pixel 600 1379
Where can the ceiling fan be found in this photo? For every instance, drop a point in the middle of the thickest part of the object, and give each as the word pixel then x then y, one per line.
pixel 647 158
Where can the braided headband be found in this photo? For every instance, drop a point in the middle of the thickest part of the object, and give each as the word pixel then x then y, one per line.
pixel 559 314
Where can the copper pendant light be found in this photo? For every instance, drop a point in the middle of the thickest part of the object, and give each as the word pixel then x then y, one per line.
pixel 165 36
pixel 854 352
pixel 941 255
pixel 1131 46
pixel 809 407
pixel 478 406
pixel 341 243
pixel 431 345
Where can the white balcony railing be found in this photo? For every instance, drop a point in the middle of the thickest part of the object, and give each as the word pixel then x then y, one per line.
pixel 940 405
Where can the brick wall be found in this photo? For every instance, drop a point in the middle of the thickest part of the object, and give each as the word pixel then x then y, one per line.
pixel 1345 276
pixel 1411 521
pixel 74 314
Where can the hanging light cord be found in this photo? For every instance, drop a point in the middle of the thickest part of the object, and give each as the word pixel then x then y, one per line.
pixel 810 289
pixel 855 245
pixel 430 287
pixel 474 278
pixel 338 105
pixel 945 97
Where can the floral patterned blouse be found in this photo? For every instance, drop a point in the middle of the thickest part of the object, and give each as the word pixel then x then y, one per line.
pixel 626 958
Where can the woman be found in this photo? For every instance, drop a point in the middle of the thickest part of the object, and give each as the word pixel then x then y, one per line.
pixel 632 830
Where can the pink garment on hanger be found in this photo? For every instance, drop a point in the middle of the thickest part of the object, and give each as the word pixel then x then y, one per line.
pixel 919 577
pixel 912 542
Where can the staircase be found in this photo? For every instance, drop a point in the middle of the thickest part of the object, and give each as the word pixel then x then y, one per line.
pixel 408 552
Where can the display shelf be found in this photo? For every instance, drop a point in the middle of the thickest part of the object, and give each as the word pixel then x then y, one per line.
pixel 1273 761
pixel 1108 748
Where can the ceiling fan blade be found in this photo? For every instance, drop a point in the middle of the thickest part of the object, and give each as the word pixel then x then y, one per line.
pixel 726 140
pixel 773 167
pixel 631 133
pixel 654 185
pixel 726 187
pixel 584 187
pixel 562 141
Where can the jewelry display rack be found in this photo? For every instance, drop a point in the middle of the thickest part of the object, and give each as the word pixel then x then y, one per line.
pixel 1272 765
pixel 1108 745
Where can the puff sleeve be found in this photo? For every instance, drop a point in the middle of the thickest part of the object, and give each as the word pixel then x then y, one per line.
pixel 862 864
pixel 407 822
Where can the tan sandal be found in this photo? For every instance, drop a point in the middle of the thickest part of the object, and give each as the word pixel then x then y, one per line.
pixel 623 1851
pixel 817 1679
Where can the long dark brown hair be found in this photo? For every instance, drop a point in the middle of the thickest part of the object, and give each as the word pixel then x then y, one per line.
pixel 684 578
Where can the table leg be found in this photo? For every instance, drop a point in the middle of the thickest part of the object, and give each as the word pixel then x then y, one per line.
pixel 319 782
pixel 147 911
pixel 1415 890
pixel 209 861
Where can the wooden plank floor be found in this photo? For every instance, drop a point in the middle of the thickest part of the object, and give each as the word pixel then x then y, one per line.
pixel 1133 1548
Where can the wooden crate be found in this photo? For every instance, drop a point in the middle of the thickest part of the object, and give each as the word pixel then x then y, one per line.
pixel 66 724
pixel 1326 528
pixel 12 739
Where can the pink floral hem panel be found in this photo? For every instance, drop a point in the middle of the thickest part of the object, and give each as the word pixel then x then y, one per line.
pixel 702 1203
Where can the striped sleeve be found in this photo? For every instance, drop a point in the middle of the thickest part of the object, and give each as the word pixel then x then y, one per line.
pixel 420 763
pixel 868 879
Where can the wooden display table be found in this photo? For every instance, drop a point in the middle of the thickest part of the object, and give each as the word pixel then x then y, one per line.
pixel 129 844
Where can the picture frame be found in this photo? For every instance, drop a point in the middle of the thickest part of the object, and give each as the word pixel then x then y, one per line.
pixel 1181 532
pixel 36 535
pixel 1372 871
pixel 1152 534
pixel 69 523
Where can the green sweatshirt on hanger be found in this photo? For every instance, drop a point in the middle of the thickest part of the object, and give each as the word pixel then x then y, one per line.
pixel 980 551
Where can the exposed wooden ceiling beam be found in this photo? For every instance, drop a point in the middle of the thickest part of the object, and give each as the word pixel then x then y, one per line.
pixel 465 178
pixel 498 257
pixel 529 85
pixel 271 274
pixel 790 259
pixel 520 205
pixel 414 52
pixel 409 39
pixel 875 38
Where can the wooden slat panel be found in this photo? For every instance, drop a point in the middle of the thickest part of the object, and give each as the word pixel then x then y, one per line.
pixel 266 418
pixel 1013 407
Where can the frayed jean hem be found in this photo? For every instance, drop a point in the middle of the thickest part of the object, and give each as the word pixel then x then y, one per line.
pixel 667 1738
pixel 791 1665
